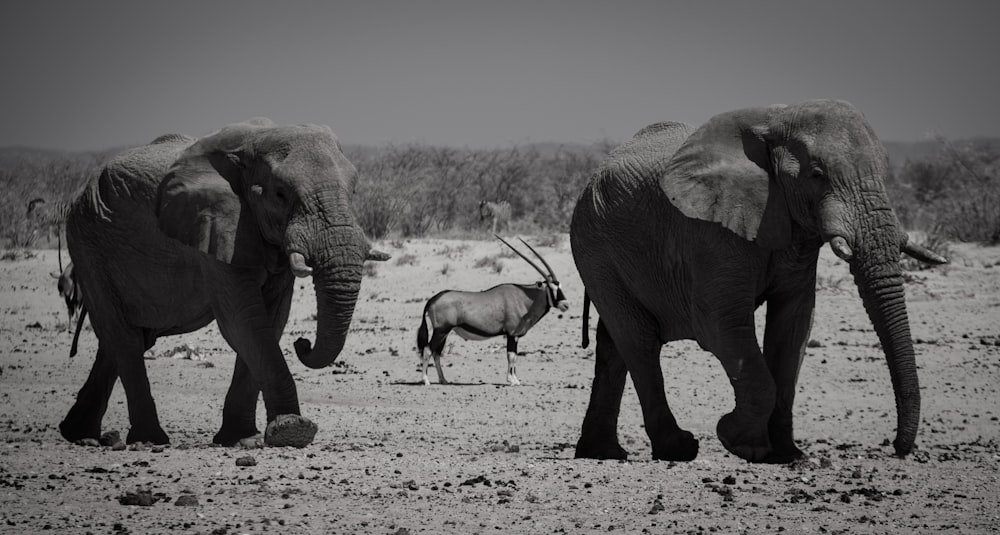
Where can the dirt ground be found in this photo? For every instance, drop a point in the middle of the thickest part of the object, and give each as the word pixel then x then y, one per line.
pixel 477 456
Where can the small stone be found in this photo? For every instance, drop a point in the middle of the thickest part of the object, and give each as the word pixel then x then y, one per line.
pixel 118 446
pixel 143 498
pixel 729 480
pixel 246 460
pixel 187 500
pixel 110 438
pixel 657 507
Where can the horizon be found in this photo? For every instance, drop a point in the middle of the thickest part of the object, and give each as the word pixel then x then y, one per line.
pixel 473 75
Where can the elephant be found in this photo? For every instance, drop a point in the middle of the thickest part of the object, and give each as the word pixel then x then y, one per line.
pixel 682 233
pixel 174 234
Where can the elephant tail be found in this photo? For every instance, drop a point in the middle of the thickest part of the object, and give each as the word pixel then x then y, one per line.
pixel 586 319
pixel 79 327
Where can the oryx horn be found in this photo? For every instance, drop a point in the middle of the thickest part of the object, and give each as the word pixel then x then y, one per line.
pixel 552 274
pixel 526 259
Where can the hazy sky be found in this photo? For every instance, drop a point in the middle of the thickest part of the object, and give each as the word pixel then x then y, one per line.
pixel 92 75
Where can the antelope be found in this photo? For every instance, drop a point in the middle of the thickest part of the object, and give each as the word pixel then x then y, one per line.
pixel 505 309
pixel 69 289
pixel 498 211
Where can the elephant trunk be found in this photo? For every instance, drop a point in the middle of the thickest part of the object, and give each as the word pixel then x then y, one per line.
pixel 336 296
pixel 323 240
pixel 880 284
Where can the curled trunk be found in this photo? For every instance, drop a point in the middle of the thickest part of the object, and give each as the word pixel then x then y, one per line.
pixel 336 296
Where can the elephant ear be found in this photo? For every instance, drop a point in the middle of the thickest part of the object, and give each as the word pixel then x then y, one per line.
pixel 200 198
pixel 723 174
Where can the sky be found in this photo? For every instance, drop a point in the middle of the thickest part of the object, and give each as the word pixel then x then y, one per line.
pixel 96 75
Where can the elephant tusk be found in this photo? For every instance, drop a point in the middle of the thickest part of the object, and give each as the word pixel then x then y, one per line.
pixel 377 256
pixel 923 254
pixel 841 249
pixel 298 263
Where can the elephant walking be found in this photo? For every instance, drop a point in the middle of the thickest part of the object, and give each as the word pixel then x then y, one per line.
pixel 182 231
pixel 682 233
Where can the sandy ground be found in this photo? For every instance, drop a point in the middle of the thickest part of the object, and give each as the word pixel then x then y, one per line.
pixel 477 456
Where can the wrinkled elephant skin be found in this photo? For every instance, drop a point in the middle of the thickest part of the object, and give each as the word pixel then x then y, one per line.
pixel 180 232
pixel 682 233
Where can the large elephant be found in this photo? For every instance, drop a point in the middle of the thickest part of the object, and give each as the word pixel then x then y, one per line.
pixel 182 231
pixel 684 232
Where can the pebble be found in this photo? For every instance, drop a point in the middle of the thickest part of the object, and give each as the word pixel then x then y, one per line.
pixel 247 460
pixel 187 500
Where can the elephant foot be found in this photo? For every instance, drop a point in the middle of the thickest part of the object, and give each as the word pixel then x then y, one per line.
pixel 783 450
pixel 290 430
pixel 152 435
pixel 74 431
pixel 744 440
pixel 678 446
pixel 593 449
pixel 227 436
pixel 784 455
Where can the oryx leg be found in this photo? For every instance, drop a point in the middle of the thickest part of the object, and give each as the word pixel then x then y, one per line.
pixel 438 340
pixel 512 361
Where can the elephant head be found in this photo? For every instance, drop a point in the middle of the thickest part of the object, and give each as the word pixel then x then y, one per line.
pixel 810 172
pixel 277 196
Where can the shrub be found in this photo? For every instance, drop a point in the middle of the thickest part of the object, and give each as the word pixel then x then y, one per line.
pixel 494 262
pixel 407 259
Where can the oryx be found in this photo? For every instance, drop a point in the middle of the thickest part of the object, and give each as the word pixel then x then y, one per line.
pixel 506 309
pixel 69 289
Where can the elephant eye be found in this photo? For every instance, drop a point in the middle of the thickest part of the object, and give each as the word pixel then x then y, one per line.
pixel 817 172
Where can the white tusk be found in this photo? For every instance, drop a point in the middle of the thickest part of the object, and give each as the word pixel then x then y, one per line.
pixel 298 263
pixel 377 256
pixel 923 254
pixel 841 249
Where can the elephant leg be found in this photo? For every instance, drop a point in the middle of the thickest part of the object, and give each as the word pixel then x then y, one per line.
pixel 240 410
pixel 144 423
pixel 599 437
pixel 789 322
pixel 246 324
pixel 744 431
pixel 634 332
pixel 84 418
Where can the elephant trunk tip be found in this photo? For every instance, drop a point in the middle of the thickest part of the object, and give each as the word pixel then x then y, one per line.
pixel 304 350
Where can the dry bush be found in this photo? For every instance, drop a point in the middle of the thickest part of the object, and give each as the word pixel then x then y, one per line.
pixel 953 195
pixel 408 259
pixel 493 262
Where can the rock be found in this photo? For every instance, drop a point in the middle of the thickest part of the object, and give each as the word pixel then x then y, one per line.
pixel 187 500
pixel 246 460
pixel 110 438
pixel 143 498
pixel 118 446
pixel 290 430
pixel 92 442
pixel 657 507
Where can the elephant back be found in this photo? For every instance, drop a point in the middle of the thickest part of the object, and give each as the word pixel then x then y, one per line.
pixel 130 181
pixel 636 165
